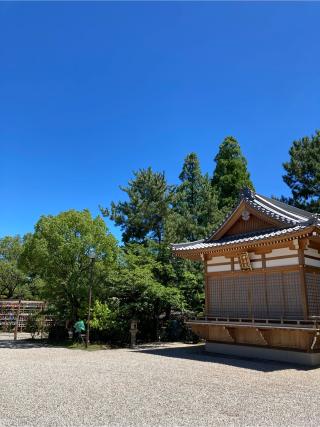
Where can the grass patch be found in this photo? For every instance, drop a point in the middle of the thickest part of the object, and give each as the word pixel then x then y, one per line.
pixel 91 347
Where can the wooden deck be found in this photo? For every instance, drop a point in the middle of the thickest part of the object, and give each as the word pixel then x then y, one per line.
pixel 296 335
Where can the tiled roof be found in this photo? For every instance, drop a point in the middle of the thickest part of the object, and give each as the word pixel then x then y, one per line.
pixel 283 213
pixel 289 218
pixel 250 237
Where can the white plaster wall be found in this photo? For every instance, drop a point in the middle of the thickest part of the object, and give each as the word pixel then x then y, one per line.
pixel 312 252
pixel 256 265
pixel 217 260
pixel 312 262
pixel 215 268
pixel 252 255
pixel 282 262
pixel 281 252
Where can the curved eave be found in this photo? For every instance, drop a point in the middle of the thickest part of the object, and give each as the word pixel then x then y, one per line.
pixel 198 254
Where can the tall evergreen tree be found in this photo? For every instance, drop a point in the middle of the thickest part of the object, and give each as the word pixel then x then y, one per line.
pixel 143 215
pixel 195 207
pixel 231 174
pixel 303 173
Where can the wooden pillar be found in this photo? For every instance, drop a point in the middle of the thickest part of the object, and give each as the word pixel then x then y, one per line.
pixel 302 246
pixel 232 263
pixel 284 302
pixel 206 286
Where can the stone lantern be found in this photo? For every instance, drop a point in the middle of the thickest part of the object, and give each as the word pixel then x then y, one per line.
pixel 133 332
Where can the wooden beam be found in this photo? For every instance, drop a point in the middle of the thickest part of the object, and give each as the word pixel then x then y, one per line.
pixel 277 269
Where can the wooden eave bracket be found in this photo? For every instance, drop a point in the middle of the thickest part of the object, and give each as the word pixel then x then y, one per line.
pixel 262 336
pixel 230 332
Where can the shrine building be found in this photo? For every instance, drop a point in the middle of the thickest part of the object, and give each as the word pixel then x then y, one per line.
pixel 262 282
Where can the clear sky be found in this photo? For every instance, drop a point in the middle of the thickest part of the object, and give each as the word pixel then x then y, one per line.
pixel 90 92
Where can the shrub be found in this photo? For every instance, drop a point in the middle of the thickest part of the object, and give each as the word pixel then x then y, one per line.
pixel 35 324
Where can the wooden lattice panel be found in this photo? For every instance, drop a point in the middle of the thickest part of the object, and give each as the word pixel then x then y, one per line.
pixel 313 293
pixel 241 298
pixel 259 297
pixel 292 295
pixel 275 295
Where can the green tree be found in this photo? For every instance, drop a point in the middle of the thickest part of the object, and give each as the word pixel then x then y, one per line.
pixel 58 253
pixel 103 317
pixel 185 275
pixel 143 215
pixel 231 174
pixel 195 205
pixel 13 282
pixel 141 295
pixel 303 173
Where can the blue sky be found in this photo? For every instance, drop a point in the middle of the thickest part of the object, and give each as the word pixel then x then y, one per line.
pixel 90 92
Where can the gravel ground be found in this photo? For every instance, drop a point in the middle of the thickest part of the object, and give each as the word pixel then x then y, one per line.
pixel 165 385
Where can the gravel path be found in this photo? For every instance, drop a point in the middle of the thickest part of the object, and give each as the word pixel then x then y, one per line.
pixel 168 385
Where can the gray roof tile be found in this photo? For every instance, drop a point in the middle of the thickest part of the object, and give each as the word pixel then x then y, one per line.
pixel 289 217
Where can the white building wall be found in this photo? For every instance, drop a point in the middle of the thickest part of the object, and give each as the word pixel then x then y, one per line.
pixel 218 260
pixel 282 262
pixel 312 252
pixel 281 252
pixel 216 268
pixel 312 262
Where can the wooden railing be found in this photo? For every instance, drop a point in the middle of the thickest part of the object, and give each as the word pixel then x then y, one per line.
pixel 244 320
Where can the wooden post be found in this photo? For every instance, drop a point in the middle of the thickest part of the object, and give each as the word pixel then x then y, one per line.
pixel 302 245
pixel 232 263
pixel 206 293
pixel 15 336
pixel 263 260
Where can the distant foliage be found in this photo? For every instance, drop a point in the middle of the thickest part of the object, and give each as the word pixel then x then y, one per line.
pixel 303 173
pixel 13 282
pixel 143 215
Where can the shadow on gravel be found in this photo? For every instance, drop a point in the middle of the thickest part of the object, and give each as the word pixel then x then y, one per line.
pixel 198 353
pixel 22 344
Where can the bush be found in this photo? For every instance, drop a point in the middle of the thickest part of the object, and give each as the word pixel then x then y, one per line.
pixel 107 325
pixel 35 324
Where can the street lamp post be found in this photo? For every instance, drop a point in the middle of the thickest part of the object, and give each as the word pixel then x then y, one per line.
pixel 92 257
